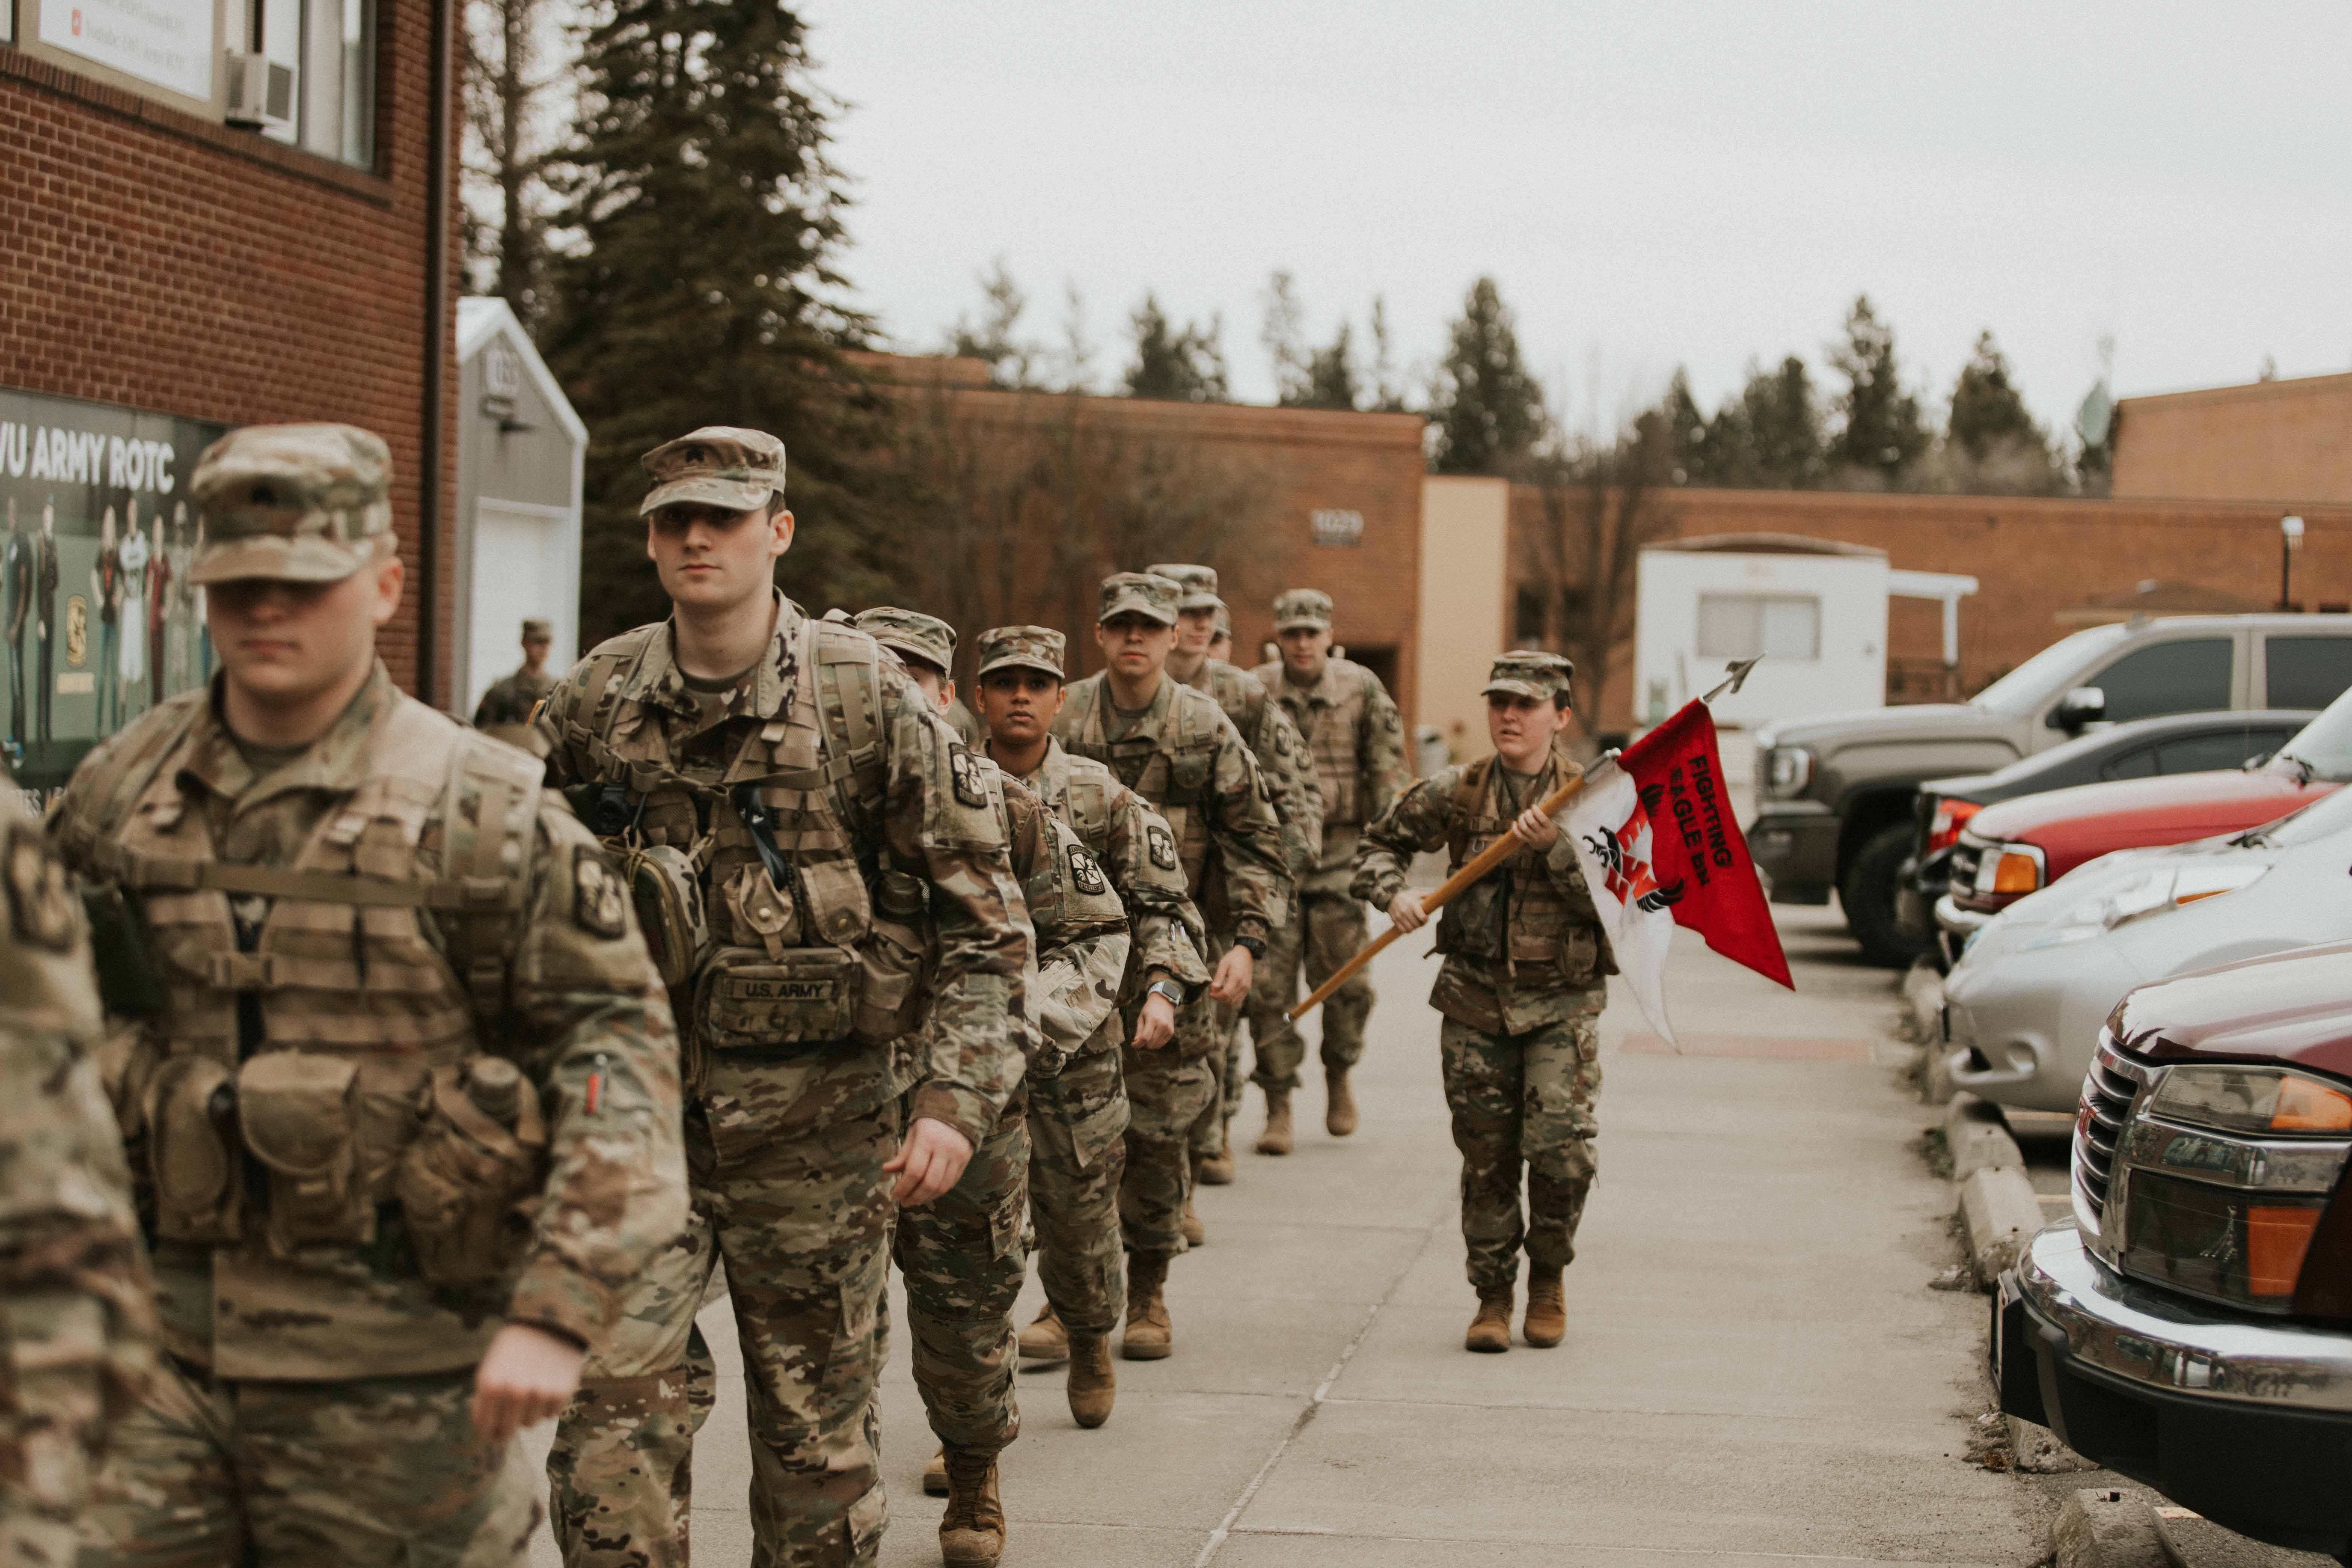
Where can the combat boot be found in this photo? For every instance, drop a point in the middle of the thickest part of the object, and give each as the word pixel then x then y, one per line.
pixel 1195 1233
pixel 1216 1170
pixel 935 1475
pixel 1044 1340
pixel 1149 1336
pixel 1339 1108
pixel 1276 1139
pixel 972 1532
pixel 1546 1320
pixel 1490 1331
pixel 1093 1386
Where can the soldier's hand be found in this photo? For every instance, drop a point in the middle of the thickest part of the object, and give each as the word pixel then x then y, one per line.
pixel 1234 971
pixel 1156 1024
pixel 929 1162
pixel 1534 829
pixel 527 1376
pixel 1405 911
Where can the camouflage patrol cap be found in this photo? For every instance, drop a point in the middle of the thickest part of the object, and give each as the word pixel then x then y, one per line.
pixel 1301 607
pixel 1530 672
pixel 1139 593
pixel 1020 648
pixel 1224 620
pixel 305 503
pixel 1199 582
pixel 910 633
pixel 533 627
pixel 719 465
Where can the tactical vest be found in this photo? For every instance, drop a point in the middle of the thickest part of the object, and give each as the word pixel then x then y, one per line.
pixel 1514 915
pixel 1333 734
pixel 1180 776
pixel 1085 803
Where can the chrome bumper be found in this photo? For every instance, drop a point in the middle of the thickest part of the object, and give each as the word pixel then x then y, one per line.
pixel 2170 1345
pixel 1961 923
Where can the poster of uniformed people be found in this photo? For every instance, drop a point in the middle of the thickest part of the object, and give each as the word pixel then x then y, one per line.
pixel 98 621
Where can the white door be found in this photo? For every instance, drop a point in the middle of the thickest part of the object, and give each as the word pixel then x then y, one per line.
pixel 526 564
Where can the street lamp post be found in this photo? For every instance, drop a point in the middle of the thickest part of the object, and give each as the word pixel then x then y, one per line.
pixel 2290 541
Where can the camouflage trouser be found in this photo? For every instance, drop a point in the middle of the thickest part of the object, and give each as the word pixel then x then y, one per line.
pixel 1078 1154
pixel 1209 1127
pixel 377 1470
pixel 55 1399
pixel 803 1225
pixel 1330 930
pixel 1523 1100
pixel 962 1258
pixel 1165 1090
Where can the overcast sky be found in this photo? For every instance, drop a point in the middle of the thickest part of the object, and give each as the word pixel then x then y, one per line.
pixel 1652 185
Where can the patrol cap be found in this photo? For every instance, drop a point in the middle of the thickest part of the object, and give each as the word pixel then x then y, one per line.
pixel 1224 620
pixel 1139 593
pixel 532 626
pixel 304 503
pixel 719 465
pixel 1530 672
pixel 1020 648
pixel 1199 582
pixel 1301 607
pixel 911 633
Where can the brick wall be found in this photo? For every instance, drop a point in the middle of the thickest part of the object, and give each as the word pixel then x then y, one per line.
pixel 152 259
pixel 2286 441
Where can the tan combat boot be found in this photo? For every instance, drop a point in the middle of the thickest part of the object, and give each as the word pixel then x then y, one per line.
pixel 1195 1233
pixel 935 1475
pixel 1149 1336
pixel 972 1532
pixel 1546 1320
pixel 1490 1331
pixel 1216 1170
pixel 1276 1139
pixel 1093 1386
pixel 1339 1108
pixel 1044 1341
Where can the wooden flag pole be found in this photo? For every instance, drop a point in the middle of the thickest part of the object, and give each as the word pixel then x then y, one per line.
pixel 1486 861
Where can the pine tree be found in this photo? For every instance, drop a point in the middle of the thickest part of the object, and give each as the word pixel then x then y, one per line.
pixel 1987 410
pixel 1783 426
pixel 1180 365
pixel 1011 361
pixel 699 292
pixel 1686 429
pixel 1283 333
pixel 1388 388
pixel 1332 374
pixel 1881 431
pixel 1488 408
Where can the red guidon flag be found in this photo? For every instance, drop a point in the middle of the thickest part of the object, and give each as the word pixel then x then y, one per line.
pixel 1655 833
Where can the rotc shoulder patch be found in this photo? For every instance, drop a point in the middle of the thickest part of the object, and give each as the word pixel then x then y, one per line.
pixel 1086 873
pixel 600 905
pixel 1163 846
pixel 970 789
pixel 40 904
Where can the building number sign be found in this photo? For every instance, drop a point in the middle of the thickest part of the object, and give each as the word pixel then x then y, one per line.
pixel 1338 528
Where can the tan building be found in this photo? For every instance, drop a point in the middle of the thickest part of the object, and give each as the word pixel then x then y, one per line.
pixel 2288 442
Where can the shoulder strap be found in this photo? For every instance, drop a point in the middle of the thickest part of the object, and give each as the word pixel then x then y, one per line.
pixel 1469 796
pixel 489 847
pixel 144 749
pixel 1090 801
pixel 592 715
pixel 849 677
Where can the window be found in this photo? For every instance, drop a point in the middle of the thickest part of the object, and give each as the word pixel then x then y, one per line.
pixel 2138 763
pixel 2305 672
pixel 2189 677
pixel 330 45
pixel 1742 625
pixel 2214 749
pixel 1528 619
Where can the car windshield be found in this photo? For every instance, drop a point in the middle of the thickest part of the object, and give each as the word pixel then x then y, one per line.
pixel 2024 688
pixel 2323 818
pixel 2321 748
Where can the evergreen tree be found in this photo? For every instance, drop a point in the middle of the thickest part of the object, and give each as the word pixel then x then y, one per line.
pixel 1987 410
pixel 1332 374
pixel 1487 407
pixel 1783 426
pixel 1388 388
pixel 1686 432
pixel 1881 431
pixel 1283 333
pixel 1011 361
pixel 1180 365
pixel 706 219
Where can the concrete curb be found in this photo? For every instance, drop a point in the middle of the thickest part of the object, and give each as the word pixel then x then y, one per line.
pixel 1977 1139
pixel 2002 1214
pixel 2108 1530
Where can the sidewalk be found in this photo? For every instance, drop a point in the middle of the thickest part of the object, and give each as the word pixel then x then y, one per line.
pixel 1755 1369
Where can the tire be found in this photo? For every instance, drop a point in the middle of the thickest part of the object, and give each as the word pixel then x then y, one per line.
pixel 1867 891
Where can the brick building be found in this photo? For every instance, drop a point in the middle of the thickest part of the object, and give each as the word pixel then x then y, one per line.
pixel 2288 442
pixel 211 215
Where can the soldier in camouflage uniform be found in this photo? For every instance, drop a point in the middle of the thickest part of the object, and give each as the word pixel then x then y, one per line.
pixel 1356 740
pixel 1079 1107
pixel 399 1086
pixel 851 860
pixel 1521 992
pixel 76 1291
pixel 1289 776
pixel 962 1255
pixel 1175 747
pixel 507 705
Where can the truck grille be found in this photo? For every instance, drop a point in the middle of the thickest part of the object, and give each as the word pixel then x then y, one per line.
pixel 1965 856
pixel 2114 1080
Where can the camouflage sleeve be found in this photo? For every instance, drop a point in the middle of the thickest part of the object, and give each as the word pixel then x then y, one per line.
pixel 1289 772
pixel 565 769
pixel 1248 837
pixel 1415 823
pixel 1082 940
pixel 1168 934
pixel 591 1026
pixel 1379 746
pixel 942 823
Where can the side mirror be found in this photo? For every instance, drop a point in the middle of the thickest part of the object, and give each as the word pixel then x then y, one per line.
pixel 2083 706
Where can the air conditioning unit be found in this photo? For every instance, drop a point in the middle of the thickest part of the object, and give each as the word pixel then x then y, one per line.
pixel 260 93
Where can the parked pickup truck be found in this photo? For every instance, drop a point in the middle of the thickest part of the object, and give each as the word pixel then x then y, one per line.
pixel 1836 811
pixel 2191 1325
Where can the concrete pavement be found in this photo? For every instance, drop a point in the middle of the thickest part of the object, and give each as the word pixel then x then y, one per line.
pixel 1755 1369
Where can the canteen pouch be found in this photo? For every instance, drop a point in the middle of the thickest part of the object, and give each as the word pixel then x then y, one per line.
pixel 667 895
pixel 464 1178
pixel 193 1154
pixel 892 956
pixel 749 1000
pixel 299 1110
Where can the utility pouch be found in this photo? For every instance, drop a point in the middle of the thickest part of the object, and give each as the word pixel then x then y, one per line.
pixel 668 893
pixel 759 908
pixel 299 1110
pixel 469 1169
pixel 129 984
pixel 1188 777
pixel 894 957
pixel 787 1003
pixel 193 1155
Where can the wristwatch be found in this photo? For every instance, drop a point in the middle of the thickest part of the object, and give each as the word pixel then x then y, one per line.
pixel 1168 988
pixel 1254 945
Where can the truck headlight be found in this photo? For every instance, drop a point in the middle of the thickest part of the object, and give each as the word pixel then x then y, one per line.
pixel 1788 770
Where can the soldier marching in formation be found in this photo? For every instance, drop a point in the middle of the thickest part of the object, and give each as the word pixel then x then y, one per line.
pixel 506 708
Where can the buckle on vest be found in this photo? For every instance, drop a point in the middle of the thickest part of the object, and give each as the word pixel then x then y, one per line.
pixel 241 970
pixel 482 892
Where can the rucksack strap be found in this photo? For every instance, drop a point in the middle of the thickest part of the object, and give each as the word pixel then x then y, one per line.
pixel 489 846
pixel 1469 795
